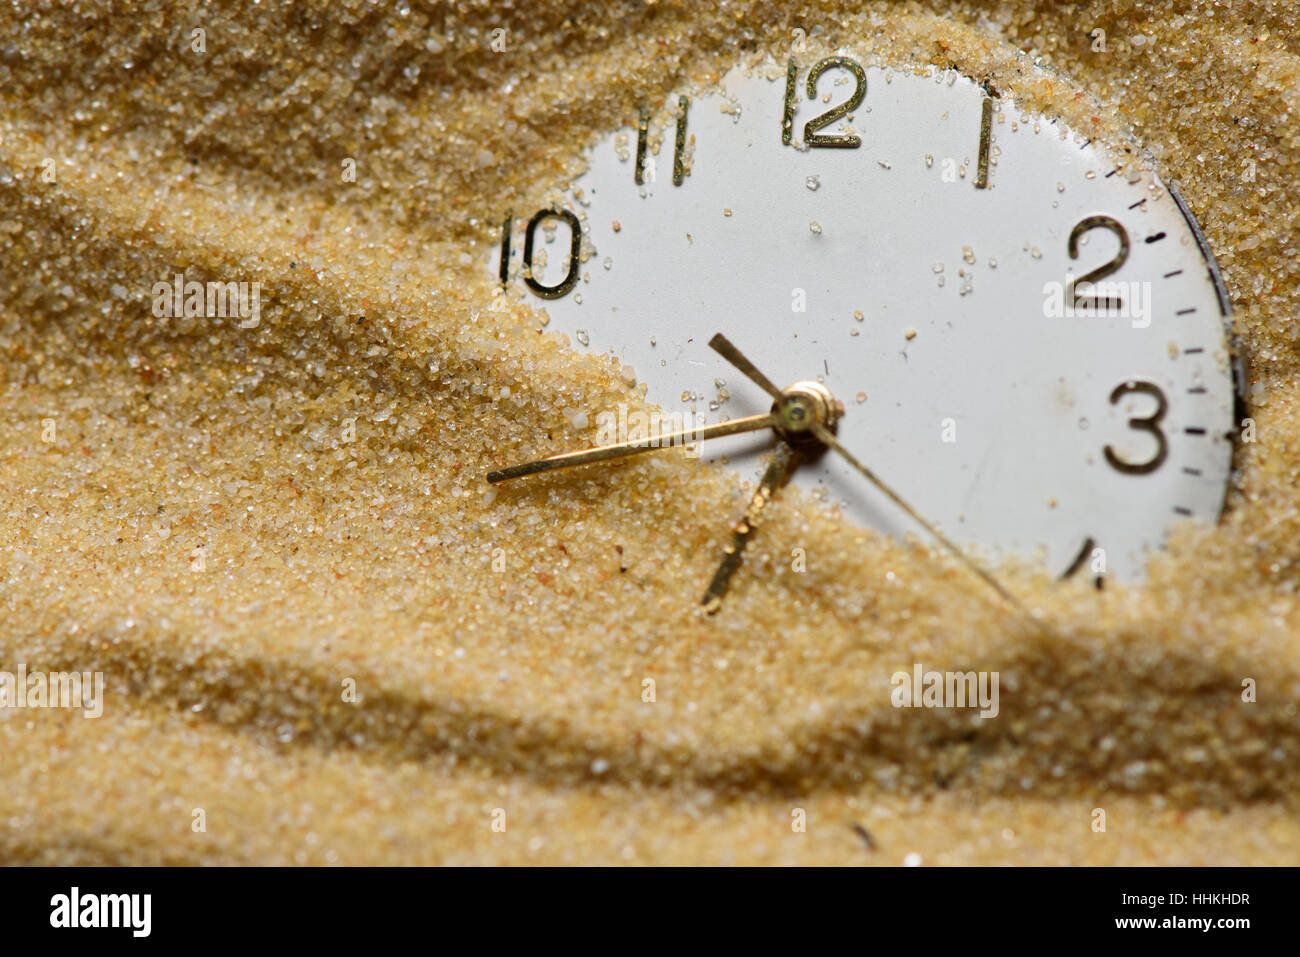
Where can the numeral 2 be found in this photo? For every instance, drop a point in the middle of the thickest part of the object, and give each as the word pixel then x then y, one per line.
pixel 1084 225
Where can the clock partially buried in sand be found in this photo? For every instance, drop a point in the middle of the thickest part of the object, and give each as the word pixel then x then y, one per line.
pixel 933 307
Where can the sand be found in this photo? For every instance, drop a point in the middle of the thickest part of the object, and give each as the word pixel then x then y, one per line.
pixel 240 525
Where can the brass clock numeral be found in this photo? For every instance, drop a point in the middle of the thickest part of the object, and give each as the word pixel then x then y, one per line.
pixel 811 137
pixel 679 143
pixel 503 271
pixel 1088 552
pixel 1142 423
pixel 1091 301
pixel 986 138
pixel 642 134
pixel 575 246
pixel 787 113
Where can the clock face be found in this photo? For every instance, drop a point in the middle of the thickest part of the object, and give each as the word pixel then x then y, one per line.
pixel 1023 326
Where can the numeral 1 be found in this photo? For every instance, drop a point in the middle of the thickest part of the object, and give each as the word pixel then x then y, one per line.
pixel 787 115
pixel 642 125
pixel 986 137
pixel 679 144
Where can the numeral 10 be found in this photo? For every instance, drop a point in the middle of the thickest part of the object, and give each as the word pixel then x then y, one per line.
pixel 530 234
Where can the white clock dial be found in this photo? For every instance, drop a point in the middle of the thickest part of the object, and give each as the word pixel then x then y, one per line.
pixel 926 280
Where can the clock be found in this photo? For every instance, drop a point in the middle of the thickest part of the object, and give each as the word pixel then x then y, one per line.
pixel 569 324
pixel 1023 323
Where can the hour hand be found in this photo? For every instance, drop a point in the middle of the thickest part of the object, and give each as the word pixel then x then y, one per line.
pixel 777 474
pixel 723 347
pixel 749 423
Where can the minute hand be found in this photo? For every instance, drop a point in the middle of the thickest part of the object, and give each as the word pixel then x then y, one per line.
pixel 749 423
pixel 826 437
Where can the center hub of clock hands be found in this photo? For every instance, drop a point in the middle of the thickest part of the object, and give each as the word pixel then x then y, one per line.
pixel 802 405
pixel 803 419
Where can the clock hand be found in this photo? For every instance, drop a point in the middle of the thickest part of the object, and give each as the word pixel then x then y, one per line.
pixel 722 345
pixel 777 474
pixel 749 423
pixel 828 439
